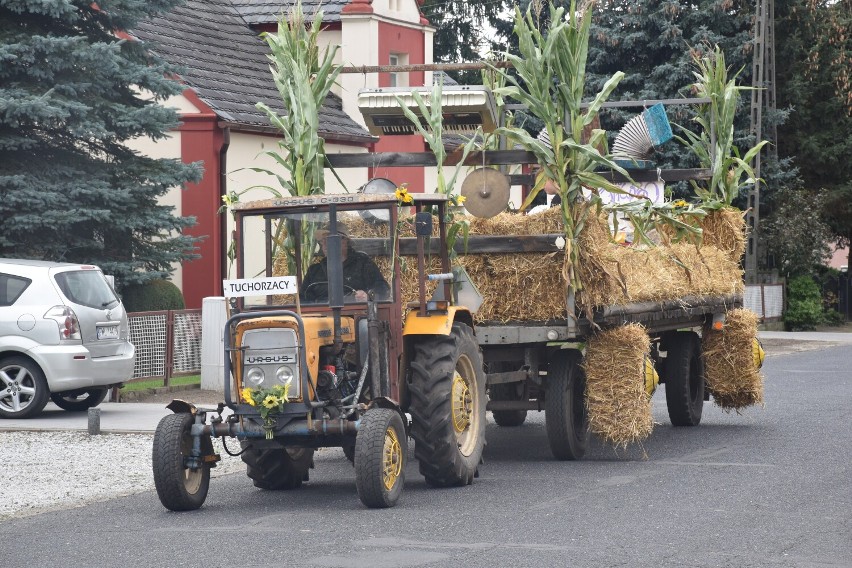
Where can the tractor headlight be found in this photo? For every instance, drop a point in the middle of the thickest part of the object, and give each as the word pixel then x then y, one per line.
pixel 254 377
pixel 284 375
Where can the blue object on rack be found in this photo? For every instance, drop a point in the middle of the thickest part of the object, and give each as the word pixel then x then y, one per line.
pixel 659 129
pixel 633 147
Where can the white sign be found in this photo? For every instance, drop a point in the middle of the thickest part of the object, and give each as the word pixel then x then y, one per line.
pixel 653 190
pixel 259 286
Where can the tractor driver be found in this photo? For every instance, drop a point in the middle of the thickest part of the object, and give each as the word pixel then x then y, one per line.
pixel 360 273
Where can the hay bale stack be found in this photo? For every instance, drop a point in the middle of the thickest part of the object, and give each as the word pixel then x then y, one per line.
pixel 619 407
pixel 529 287
pixel 613 274
pixel 729 369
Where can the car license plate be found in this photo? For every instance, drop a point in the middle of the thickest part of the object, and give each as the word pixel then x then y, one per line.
pixel 108 332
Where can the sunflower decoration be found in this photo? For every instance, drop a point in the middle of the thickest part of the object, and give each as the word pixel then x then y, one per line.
pixel 457 200
pixel 403 196
pixel 269 402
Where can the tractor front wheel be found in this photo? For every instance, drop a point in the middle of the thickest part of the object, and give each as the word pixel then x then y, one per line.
pixel 380 457
pixel 448 407
pixel 179 486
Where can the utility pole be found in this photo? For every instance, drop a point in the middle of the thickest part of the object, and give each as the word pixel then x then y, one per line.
pixel 763 81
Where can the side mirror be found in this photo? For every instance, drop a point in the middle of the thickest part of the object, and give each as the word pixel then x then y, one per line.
pixel 423 224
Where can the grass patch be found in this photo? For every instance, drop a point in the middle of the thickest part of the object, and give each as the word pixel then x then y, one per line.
pixel 157 383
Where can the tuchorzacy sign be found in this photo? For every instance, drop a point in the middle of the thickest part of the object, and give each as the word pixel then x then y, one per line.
pixel 259 286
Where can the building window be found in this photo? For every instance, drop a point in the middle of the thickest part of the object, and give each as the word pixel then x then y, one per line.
pixel 398 79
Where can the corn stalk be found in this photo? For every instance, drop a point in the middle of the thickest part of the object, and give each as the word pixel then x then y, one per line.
pixel 729 172
pixel 680 219
pixel 552 67
pixel 304 77
pixel 433 133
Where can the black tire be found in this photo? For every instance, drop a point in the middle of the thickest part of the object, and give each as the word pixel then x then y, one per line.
pixel 179 487
pixel 277 468
pixel 380 458
pixel 507 418
pixel 23 388
pixel 506 391
pixel 349 452
pixel 443 367
pixel 566 416
pixel 684 378
pixel 78 401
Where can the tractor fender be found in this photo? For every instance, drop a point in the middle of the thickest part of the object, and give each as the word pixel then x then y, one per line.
pixel 390 404
pixel 179 406
pixel 436 323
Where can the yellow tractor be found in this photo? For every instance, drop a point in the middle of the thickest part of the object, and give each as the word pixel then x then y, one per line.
pixel 322 351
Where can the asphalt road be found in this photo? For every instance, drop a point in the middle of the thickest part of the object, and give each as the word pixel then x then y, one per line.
pixel 771 487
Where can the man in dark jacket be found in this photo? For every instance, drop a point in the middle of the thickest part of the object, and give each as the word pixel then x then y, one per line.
pixel 360 274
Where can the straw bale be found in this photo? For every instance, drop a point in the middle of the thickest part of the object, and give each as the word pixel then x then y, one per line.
pixel 613 274
pixel 729 370
pixel 725 229
pixel 619 407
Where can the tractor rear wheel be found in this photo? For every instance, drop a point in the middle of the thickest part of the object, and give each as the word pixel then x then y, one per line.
pixel 684 372
pixel 277 468
pixel 179 487
pixel 448 407
pixel 565 413
pixel 380 457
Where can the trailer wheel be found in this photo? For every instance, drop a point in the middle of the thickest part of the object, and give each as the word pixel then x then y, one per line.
pixel 277 468
pixel 507 418
pixel 684 372
pixel 380 451
pixel 565 414
pixel 180 488
pixel 448 407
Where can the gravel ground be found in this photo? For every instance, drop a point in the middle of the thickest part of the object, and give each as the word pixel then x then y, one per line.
pixel 44 471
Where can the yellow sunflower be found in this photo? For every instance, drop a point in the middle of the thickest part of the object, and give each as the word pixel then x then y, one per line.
pixel 271 401
pixel 403 196
pixel 247 397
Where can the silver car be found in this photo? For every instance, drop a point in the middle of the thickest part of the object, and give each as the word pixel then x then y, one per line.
pixel 64 337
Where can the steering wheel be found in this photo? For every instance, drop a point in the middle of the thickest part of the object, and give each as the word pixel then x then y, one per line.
pixel 350 291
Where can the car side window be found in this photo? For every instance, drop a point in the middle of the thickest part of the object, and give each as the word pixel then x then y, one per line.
pixel 11 288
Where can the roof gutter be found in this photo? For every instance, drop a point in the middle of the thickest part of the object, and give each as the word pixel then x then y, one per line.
pixel 327 136
pixel 223 191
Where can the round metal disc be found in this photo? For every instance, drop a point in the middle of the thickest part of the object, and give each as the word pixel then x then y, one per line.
pixel 374 186
pixel 486 192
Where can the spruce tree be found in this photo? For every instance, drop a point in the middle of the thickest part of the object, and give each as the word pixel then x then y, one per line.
pixel 73 91
pixel 460 36
pixel 814 70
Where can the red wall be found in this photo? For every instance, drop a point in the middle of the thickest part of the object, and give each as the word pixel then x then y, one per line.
pixel 399 39
pixel 201 140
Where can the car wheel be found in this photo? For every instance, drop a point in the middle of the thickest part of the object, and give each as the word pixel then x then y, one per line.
pixel 78 401
pixel 23 388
